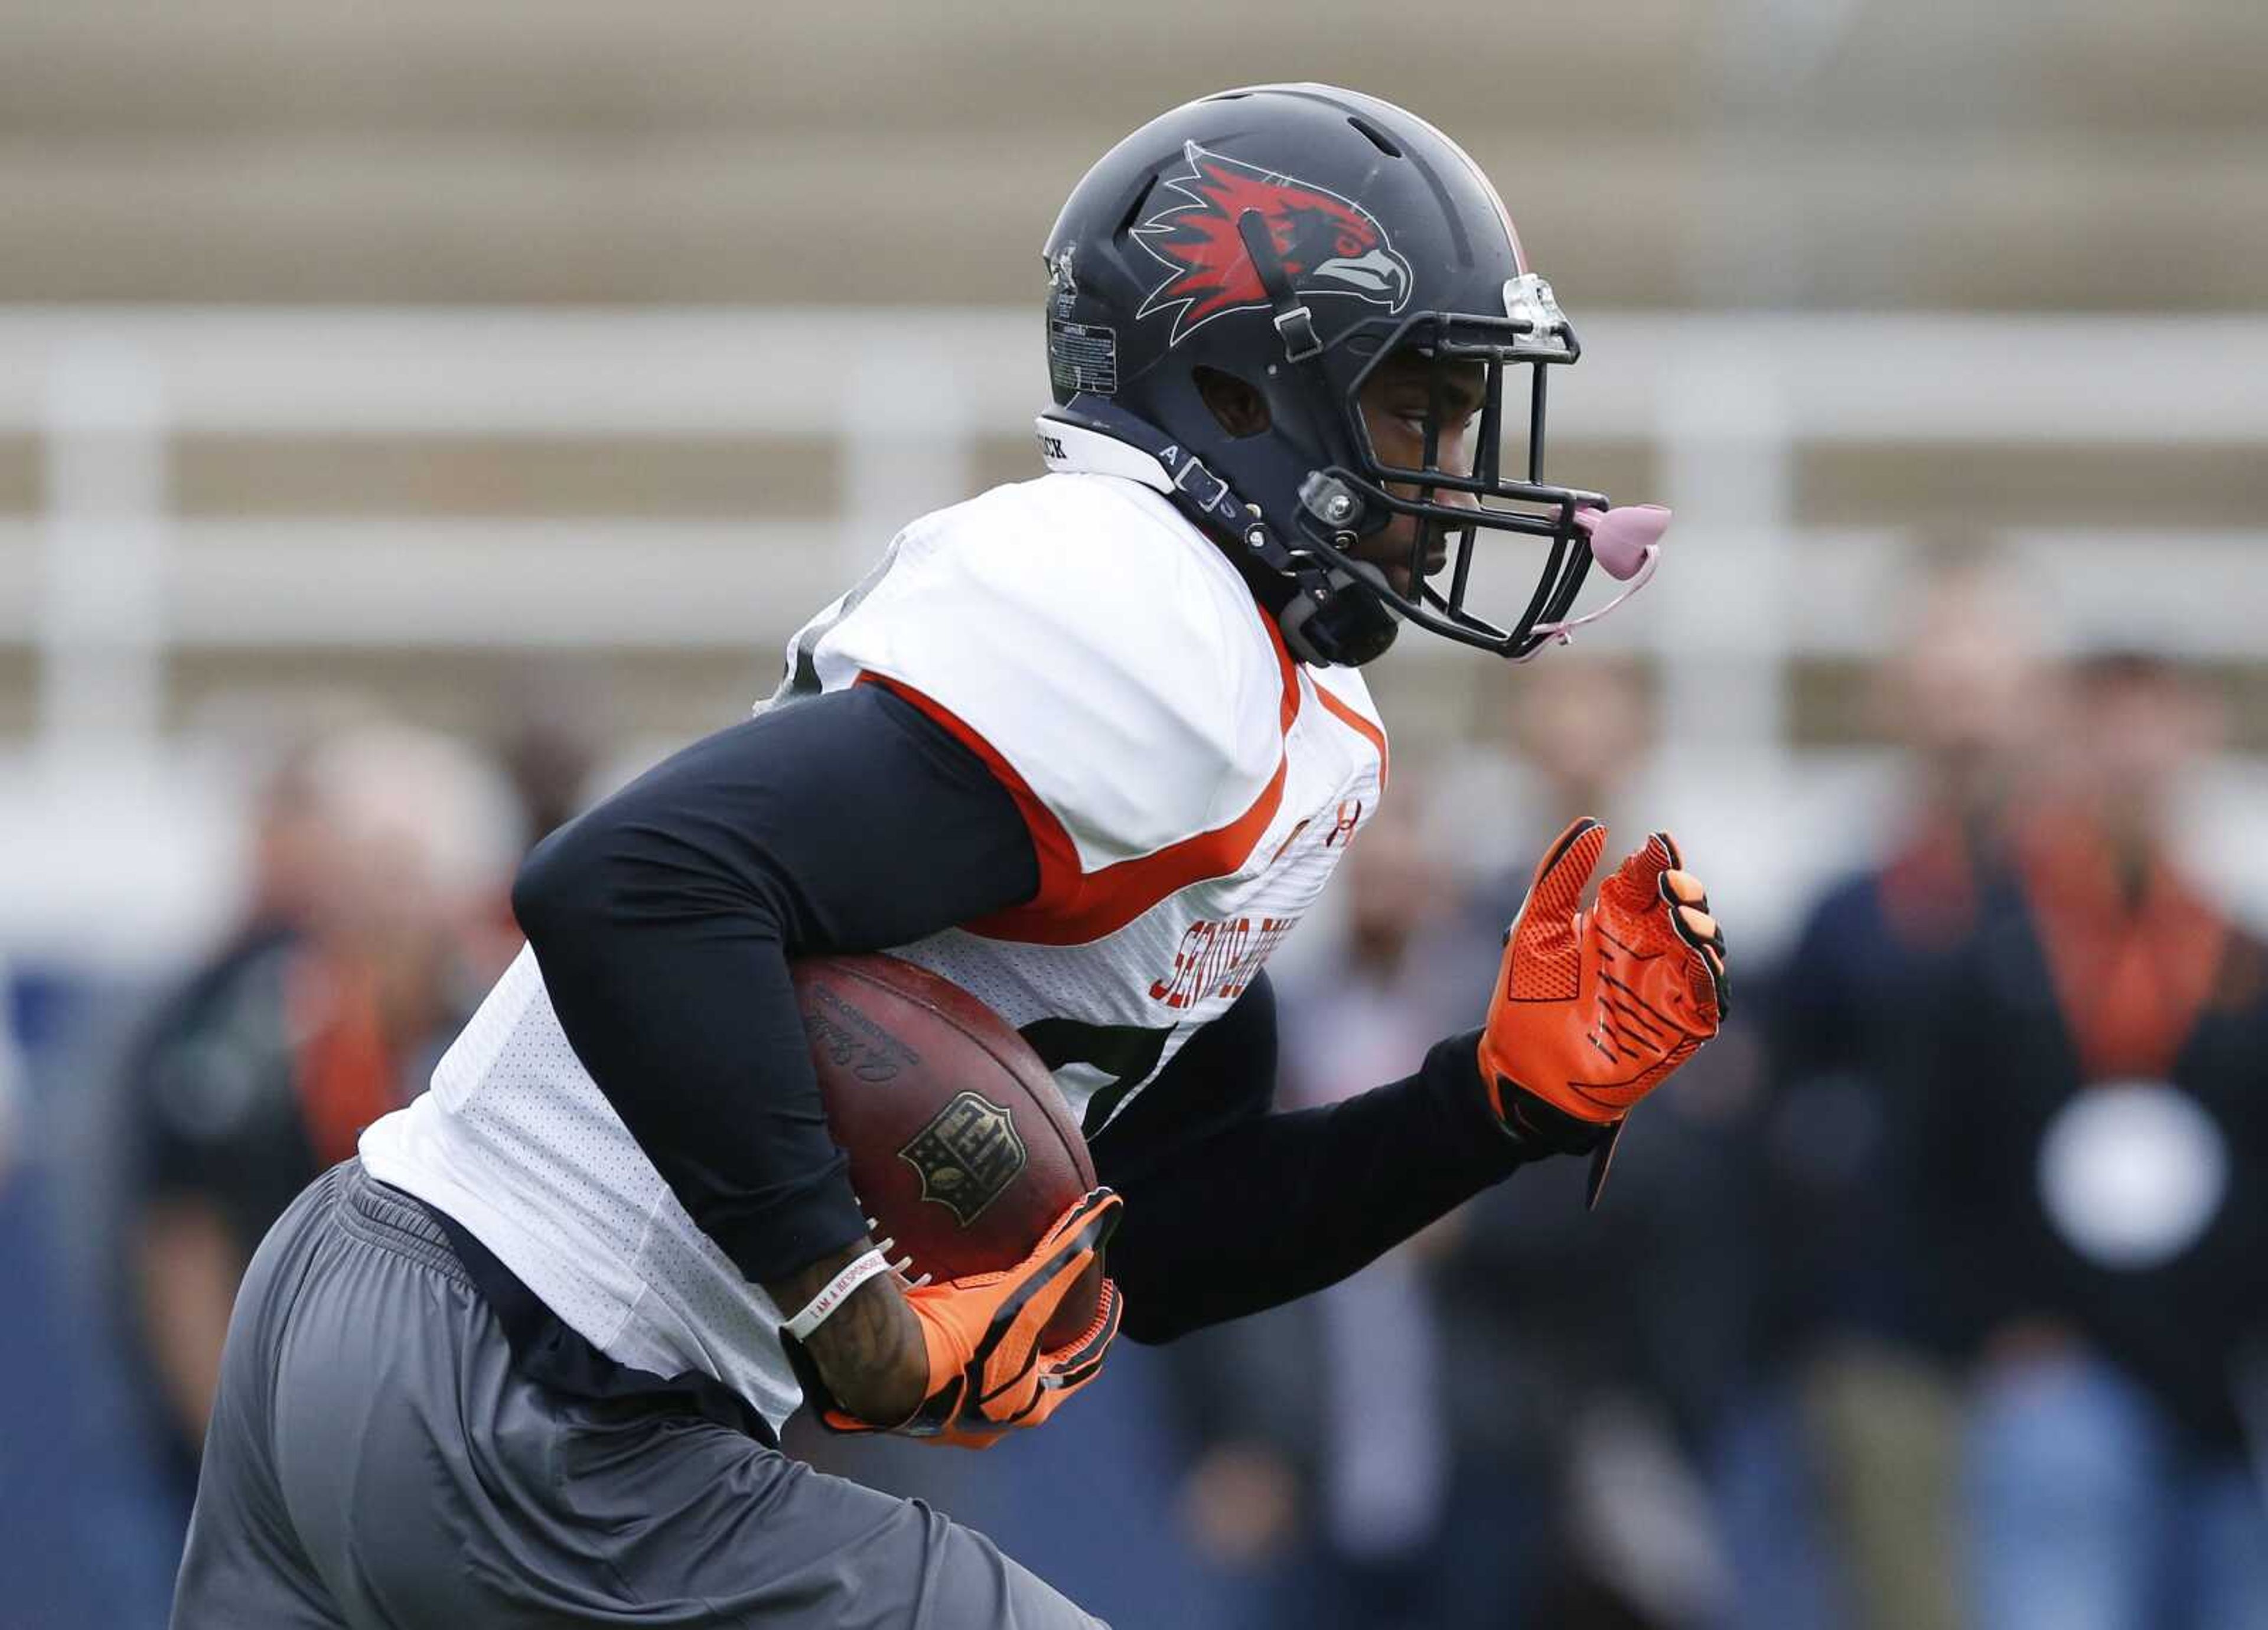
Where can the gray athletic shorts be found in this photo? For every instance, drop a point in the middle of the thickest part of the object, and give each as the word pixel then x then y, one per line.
pixel 374 1459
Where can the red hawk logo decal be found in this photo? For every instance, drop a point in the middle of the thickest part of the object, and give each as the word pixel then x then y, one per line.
pixel 1329 245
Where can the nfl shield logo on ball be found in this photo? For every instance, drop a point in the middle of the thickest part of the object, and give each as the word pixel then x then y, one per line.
pixel 966 1155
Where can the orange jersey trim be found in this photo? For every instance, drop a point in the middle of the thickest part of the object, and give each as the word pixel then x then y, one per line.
pixel 1106 900
pixel 1051 845
pixel 1347 716
pixel 1290 670
pixel 1072 907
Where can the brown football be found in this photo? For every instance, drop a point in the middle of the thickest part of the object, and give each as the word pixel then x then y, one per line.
pixel 960 1147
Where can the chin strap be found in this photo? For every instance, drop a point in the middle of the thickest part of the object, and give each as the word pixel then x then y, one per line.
pixel 1103 439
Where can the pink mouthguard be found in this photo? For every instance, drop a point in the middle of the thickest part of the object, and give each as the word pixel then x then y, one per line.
pixel 1620 538
pixel 1627 544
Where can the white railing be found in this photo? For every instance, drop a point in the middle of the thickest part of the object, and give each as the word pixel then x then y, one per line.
pixel 106 582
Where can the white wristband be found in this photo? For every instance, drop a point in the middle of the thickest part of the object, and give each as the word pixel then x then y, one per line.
pixel 837 1292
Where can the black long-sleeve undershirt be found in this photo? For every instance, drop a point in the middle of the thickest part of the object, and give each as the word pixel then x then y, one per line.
pixel 1231 1209
pixel 664 919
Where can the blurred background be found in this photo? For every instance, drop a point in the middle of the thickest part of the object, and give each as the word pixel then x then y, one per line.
pixel 416 418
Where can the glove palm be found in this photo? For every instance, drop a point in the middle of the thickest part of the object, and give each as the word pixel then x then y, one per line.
pixel 1592 1010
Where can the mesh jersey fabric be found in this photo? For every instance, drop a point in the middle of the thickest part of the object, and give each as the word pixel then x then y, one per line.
pixel 1194 788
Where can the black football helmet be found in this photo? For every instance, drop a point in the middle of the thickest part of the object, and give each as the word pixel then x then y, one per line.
pixel 1294 236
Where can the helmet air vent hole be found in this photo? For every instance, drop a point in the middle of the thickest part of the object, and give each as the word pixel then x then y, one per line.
pixel 1134 208
pixel 1378 138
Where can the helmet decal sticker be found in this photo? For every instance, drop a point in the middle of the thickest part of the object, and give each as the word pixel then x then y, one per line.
pixel 1329 245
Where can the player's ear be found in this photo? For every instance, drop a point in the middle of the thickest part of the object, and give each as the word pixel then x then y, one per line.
pixel 1242 411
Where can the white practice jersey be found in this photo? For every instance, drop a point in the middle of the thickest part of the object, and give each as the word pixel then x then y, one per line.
pixel 1188 788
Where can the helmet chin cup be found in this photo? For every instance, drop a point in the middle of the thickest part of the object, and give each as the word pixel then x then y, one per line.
pixel 1348 625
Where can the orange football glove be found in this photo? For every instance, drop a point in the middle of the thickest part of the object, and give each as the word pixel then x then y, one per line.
pixel 1592 1010
pixel 987 1376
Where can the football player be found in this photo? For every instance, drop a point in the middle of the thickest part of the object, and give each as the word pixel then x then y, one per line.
pixel 1087 746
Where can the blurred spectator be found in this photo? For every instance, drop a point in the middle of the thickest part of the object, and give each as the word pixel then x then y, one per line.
pixel 1853 1322
pixel 551 747
pixel 2100 1131
pixel 1572 735
pixel 1340 1445
pixel 1612 1343
pixel 79 1544
pixel 1516 1419
pixel 376 916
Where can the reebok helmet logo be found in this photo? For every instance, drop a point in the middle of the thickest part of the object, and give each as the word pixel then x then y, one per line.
pixel 1329 245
